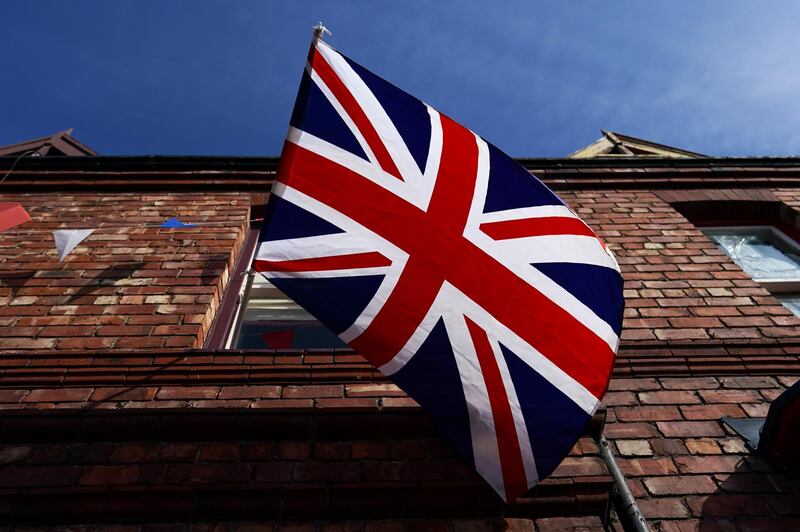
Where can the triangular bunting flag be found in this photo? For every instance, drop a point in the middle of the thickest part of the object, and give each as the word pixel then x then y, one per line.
pixel 174 223
pixel 12 215
pixel 67 239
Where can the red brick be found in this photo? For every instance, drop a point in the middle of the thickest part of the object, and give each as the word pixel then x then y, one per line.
pixel 85 343
pixel 10 454
pixel 729 396
pixel 702 446
pixel 716 311
pixel 647 413
pixel 373 390
pixel 724 505
pixel 399 403
pixel 683 485
pixel 619 398
pixel 756 410
pixel 630 430
pixel 181 341
pixel 179 452
pixel 635 385
pixel 293 450
pixel 331 450
pixel 12 396
pixel 669 398
pixel 717 411
pixel 708 464
pixel 646 467
pixel 408 449
pixel 663 508
pixel 525 525
pixel 27 343
pixel 748 382
pixel 668 446
pixel 136 452
pixel 258 451
pixel 681 334
pixel 357 403
pixel 313 392
pixel 369 449
pixel 690 383
pixel 124 330
pixel 583 524
pixel 633 447
pixel 327 471
pixel 58 395
pixel 679 429
pixel 273 472
pixel 750 483
pixel 172 330
pixel 250 392
pixel 637 334
pixel 219 452
pixel 39 477
pixel 282 404
pixel 69 330
pixel 124 394
pixel 110 475
pixel 139 342
pixel 704 323
pixel 208 473
pixel 746 321
pixel 187 392
pixel 580 467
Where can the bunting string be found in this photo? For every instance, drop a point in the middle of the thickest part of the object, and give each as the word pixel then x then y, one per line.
pixel 102 226
pixel 67 239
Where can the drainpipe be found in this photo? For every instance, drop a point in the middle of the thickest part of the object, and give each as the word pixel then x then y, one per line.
pixel 624 501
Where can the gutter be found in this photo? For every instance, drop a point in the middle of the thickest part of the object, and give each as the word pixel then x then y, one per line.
pixel 624 502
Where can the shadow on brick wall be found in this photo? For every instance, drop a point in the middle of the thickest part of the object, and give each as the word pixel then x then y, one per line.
pixel 104 282
pixel 755 496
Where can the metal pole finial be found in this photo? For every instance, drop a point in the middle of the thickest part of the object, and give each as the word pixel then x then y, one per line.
pixel 319 31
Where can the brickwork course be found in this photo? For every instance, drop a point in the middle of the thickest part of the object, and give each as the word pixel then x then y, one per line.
pixel 117 406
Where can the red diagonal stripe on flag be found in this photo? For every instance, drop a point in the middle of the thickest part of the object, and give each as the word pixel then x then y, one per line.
pixel 511 464
pixel 356 113
pixel 550 225
pixel 371 259
pixel 560 337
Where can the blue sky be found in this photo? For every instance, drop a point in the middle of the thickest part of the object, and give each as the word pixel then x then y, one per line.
pixel 535 78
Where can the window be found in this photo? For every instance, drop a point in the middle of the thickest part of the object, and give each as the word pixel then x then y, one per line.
pixel 768 255
pixel 270 320
pixel 254 314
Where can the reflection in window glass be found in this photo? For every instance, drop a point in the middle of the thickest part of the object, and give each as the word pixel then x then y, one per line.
pixel 761 254
pixel 790 301
pixel 270 320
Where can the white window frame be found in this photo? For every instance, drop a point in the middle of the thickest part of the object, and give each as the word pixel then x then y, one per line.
pixel 774 286
pixel 248 291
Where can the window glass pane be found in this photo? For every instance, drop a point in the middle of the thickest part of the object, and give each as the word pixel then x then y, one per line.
pixel 761 254
pixel 790 301
pixel 270 320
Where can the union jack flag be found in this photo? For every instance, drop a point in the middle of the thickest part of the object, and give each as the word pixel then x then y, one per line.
pixel 447 265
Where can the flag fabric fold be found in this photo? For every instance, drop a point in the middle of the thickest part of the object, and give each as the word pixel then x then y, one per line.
pixel 451 268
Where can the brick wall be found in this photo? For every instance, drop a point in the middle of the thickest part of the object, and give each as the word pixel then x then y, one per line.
pixel 122 288
pixel 692 313
pixel 106 397
pixel 687 470
pixel 678 285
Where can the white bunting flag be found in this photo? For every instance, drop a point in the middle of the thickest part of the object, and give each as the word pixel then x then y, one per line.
pixel 67 239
